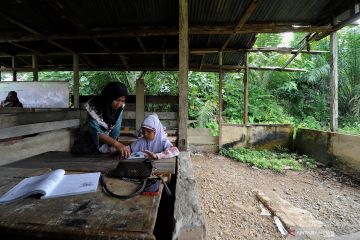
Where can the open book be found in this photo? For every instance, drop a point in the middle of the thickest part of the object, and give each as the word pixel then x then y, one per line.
pixel 53 184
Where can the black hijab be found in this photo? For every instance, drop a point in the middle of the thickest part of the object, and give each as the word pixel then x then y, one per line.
pixel 12 100
pixel 111 92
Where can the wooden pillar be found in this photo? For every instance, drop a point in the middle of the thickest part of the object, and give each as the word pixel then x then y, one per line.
pixel 13 65
pixel 35 68
pixel 76 79
pixel 140 102
pixel 246 89
pixel 334 82
pixel 221 77
pixel 183 73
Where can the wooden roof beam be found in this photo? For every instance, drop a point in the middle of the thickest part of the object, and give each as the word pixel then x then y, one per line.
pixel 88 61
pixel 64 14
pixel 266 68
pixel 194 51
pixel 306 41
pixel 163 31
pixel 249 10
pixel 33 31
pixel 24 47
pixel 206 68
pixel 124 61
pixel 203 54
pixel 337 27
pixel 102 45
pixel 141 43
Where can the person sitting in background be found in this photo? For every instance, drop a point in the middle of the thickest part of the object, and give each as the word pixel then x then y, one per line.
pixel 154 142
pixel 11 100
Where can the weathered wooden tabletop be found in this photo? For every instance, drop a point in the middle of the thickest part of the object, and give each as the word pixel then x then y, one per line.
pixel 84 163
pixel 85 216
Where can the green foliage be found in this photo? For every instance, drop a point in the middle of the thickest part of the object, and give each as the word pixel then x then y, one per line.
pixel 277 161
pixel 274 97
pixel 203 98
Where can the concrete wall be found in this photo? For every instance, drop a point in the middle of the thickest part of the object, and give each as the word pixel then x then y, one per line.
pixel 261 136
pixel 338 150
pixel 201 140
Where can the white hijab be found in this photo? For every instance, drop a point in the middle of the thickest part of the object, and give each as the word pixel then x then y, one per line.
pixel 159 143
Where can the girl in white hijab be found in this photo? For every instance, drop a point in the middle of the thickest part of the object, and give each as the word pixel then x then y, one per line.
pixel 154 142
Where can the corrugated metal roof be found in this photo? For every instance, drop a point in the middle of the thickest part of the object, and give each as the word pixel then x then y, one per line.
pixel 95 27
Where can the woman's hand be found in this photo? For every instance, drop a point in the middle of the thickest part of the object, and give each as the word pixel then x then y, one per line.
pixel 123 150
pixel 150 155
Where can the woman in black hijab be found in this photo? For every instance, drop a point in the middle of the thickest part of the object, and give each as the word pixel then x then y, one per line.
pixel 11 100
pixel 105 117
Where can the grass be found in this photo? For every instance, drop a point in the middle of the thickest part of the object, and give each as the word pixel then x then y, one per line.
pixel 265 159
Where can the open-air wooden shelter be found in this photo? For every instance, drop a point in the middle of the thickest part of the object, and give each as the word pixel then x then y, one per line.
pixel 161 35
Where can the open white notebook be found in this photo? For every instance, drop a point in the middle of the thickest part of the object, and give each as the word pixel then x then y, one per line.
pixel 53 184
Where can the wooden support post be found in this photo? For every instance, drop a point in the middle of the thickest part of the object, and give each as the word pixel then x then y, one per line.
pixel 35 68
pixel 221 76
pixel 183 73
pixel 140 102
pixel 76 80
pixel 246 89
pixel 13 65
pixel 334 82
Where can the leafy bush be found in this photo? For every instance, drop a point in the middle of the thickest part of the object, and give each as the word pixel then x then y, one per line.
pixel 277 161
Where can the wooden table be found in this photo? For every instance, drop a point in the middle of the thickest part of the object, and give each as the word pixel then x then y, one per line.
pixel 86 216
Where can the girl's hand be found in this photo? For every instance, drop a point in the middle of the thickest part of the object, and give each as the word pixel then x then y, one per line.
pixel 150 155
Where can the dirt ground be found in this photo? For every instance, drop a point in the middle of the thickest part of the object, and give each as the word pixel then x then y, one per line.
pixel 231 210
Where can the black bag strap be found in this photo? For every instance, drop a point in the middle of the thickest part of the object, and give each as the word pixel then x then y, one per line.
pixel 142 184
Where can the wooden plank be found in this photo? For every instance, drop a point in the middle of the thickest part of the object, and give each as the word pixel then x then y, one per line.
pixel 161 115
pixel 27 129
pixel 87 217
pixel 162 99
pixel 183 73
pixel 84 163
pixel 22 118
pixel 23 148
pixel 294 218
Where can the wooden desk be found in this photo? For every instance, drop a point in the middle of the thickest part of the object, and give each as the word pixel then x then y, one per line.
pixel 84 163
pixel 86 216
